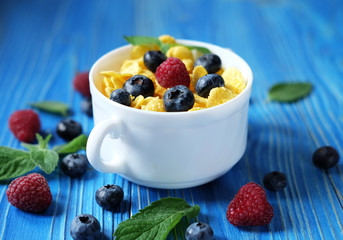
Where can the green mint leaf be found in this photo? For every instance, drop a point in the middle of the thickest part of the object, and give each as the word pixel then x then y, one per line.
pixel 200 49
pixel 14 163
pixel 41 156
pixel 78 143
pixel 289 92
pixel 142 40
pixel 156 221
pixel 52 107
pixel 45 159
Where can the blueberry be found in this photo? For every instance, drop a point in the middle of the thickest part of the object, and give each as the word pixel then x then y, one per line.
pixel 85 227
pixel 121 96
pixel 139 85
pixel 74 165
pixel 87 107
pixel 207 82
pixel 199 231
pixel 177 99
pixel 68 129
pixel 153 59
pixel 109 196
pixel 211 62
pixel 275 181
pixel 325 157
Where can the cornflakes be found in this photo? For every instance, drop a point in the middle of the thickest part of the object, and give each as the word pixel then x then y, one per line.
pixel 234 82
pixel 218 96
pixel 180 52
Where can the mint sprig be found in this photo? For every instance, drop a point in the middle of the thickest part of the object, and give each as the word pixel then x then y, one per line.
pixel 144 40
pixel 289 91
pixel 55 107
pixel 14 162
pixel 156 221
pixel 78 143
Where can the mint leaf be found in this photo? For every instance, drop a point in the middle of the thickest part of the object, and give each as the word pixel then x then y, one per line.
pixel 14 163
pixel 200 49
pixel 289 92
pixel 41 156
pixel 156 220
pixel 52 107
pixel 164 47
pixel 142 40
pixel 78 143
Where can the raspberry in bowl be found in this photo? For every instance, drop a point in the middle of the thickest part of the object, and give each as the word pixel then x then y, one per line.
pixel 162 149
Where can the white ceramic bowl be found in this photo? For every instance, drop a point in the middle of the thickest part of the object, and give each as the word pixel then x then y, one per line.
pixel 167 149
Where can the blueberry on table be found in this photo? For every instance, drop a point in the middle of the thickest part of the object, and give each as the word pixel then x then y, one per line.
pixel 205 84
pixel 121 96
pixel 85 226
pixel 68 129
pixel 74 165
pixel 178 98
pixel 109 196
pixel 153 59
pixel 211 62
pixel 325 157
pixel 87 107
pixel 199 231
pixel 139 85
pixel 275 181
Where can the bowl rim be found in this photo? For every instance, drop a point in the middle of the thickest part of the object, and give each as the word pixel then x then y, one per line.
pixel 246 90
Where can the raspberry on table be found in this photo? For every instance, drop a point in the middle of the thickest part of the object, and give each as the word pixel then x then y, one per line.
pixel 250 207
pixel 30 193
pixel 24 124
pixel 81 83
pixel 172 72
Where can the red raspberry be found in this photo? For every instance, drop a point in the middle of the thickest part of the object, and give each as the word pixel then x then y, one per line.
pixel 250 207
pixel 30 193
pixel 81 83
pixel 172 72
pixel 24 124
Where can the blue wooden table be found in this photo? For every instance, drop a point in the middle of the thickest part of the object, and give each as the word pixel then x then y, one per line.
pixel 43 44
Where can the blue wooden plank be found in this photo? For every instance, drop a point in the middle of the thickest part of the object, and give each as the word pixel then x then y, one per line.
pixel 42 49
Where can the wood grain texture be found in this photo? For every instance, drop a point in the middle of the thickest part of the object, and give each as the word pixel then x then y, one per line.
pixel 43 44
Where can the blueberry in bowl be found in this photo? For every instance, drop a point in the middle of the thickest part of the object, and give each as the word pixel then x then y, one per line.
pixel 139 85
pixel 178 98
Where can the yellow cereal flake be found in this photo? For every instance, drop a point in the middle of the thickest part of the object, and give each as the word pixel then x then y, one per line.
pixel 138 102
pixel 220 71
pixel 199 101
pixel 198 72
pixel 113 80
pixel 218 96
pixel 138 51
pixel 130 66
pixel 196 109
pixel 189 64
pixel 180 52
pixel 234 80
pixel 159 91
pixel 155 104
pixel 167 39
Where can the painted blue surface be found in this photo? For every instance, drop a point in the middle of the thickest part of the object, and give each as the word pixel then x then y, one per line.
pixel 43 44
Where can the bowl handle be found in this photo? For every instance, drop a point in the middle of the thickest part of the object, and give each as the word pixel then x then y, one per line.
pixel 114 128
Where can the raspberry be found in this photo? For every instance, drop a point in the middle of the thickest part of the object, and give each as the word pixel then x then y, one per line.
pixel 81 84
pixel 29 193
pixel 172 72
pixel 250 207
pixel 24 124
